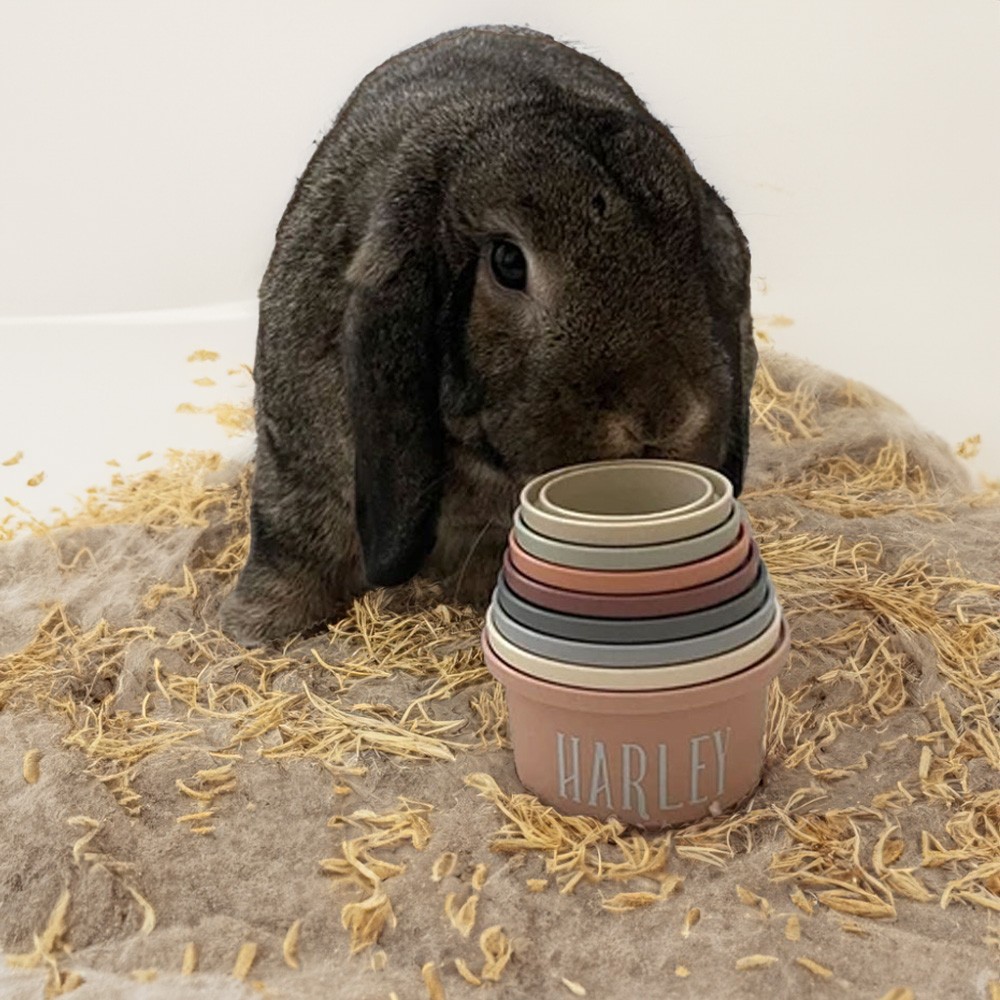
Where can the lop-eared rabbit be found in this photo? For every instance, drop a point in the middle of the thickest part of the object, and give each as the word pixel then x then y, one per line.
pixel 496 262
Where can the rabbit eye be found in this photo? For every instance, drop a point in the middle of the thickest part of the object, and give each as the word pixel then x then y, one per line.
pixel 509 266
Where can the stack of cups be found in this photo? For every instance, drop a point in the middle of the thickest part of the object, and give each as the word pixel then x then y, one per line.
pixel 635 630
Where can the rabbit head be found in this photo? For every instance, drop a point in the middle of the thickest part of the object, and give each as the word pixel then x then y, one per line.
pixel 553 287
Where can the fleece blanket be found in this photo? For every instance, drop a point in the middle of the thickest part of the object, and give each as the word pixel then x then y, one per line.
pixel 340 817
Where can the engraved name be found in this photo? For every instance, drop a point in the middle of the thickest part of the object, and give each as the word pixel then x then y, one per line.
pixel 644 776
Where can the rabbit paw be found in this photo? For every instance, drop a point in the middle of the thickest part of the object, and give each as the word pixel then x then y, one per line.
pixel 268 605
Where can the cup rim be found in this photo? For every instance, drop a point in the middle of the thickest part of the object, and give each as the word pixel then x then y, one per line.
pixel 623 629
pixel 639 581
pixel 614 605
pixel 604 701
pixel 673 675
pixel 627 529
pixel 657 555
pixel 625 655
pixel 544 503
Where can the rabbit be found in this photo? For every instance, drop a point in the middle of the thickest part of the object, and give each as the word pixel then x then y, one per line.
pixel 496 262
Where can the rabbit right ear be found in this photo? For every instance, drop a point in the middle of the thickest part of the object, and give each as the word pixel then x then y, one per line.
pixel 728 258
pixel 392 364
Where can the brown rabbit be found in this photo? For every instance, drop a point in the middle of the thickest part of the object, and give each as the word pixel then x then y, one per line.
pixel 496 262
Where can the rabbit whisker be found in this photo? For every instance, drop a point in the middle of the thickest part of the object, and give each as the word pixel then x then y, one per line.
pixel 469 555
pixel 431 486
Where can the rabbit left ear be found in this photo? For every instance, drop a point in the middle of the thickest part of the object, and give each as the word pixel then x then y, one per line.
pixel 728 258
pixel 392 368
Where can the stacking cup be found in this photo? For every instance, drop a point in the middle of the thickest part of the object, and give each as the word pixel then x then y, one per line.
pixel 635 630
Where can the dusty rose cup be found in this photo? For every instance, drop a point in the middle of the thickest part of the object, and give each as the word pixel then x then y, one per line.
pixel 652 758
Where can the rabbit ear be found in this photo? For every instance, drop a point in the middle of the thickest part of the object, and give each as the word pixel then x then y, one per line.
pixel 728 258
pixel 392 364
pixel 734 464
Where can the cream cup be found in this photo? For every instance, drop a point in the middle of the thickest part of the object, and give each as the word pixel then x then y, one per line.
pixel 626 502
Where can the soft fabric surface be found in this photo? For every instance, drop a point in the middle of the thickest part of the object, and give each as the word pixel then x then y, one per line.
pixel 177 811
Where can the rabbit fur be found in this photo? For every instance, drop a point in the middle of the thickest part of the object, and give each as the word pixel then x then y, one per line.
pixel 404 395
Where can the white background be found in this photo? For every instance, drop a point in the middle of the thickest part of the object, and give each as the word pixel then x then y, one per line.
pixel 147 150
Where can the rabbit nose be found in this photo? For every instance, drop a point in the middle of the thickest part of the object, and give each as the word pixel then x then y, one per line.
pixel 620 436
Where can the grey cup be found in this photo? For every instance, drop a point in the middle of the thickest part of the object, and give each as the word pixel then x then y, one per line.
pixel 496 262
pixel 632 557
pixel 585 628
pixel 618 653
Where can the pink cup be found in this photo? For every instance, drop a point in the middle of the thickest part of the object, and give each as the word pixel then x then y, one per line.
pixel 652 758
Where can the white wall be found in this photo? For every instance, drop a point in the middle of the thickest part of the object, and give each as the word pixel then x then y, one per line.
pixel 147 150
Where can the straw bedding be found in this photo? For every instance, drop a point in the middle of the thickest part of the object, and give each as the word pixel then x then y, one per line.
pixel 340 817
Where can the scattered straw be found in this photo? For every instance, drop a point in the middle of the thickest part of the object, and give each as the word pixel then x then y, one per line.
pixel 244 960
pixel 850 927
pixel 497 950
pixel 366 919
pixel 820 971
pixel 432 980
pixel 748 898
pixel 462 918
pixel 969 447
pixel 49 940
pixel 479 875
pixel 29 766
pixel 490 706
pixel 65 982
pixel 802 902
pixel 625 901
pixel 443 866
pixel 786 415
pixel 92 826
pixel 576 846
pixel 148 913
pixel 290 945
pixel 466 973
pixel 231 417
pixel 755 962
